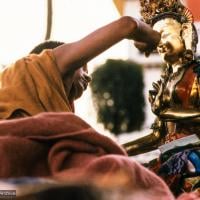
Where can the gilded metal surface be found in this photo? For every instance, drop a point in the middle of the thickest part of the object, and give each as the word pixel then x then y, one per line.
pixel 171 44
pixel 146 143
pixel 175 98
pixel 151 9
pixel 173 114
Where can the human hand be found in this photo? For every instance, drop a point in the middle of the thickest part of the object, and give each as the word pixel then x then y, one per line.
pixel 144 48
pixel 145 38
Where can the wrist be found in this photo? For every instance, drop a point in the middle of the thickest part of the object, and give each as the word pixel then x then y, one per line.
pixel 129 25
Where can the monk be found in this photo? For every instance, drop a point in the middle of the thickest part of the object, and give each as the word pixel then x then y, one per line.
pixel 53 79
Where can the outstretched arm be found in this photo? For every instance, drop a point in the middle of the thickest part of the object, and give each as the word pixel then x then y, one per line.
pixel 72 56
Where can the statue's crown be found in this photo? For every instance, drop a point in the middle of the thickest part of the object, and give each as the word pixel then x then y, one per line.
pixel 154 10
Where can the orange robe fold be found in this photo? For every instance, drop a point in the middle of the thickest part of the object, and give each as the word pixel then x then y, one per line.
pixel 33 84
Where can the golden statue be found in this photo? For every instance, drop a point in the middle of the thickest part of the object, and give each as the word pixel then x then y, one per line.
pixel 175 98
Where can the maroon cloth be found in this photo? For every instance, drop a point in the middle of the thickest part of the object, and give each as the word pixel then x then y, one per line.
pixel 64 147
pixel 49 143
pixel 189 196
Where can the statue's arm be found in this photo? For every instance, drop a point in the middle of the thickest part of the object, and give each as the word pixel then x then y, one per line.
pixel 172 114
pixel 147 143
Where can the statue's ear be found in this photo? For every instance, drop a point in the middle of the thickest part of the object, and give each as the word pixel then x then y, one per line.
pixel 187 35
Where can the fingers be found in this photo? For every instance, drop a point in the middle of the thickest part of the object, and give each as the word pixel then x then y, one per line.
pixel 155 86
pixel 143 48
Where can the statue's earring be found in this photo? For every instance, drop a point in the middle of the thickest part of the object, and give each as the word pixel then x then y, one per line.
pixel 187 36
pixel 187 56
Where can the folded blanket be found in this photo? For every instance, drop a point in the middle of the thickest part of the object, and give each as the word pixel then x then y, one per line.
pixel 63 147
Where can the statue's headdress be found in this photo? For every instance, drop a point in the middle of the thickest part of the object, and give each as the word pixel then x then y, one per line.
pixel 156 10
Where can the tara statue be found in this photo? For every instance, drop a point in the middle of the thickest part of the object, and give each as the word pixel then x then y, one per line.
pixel 175 98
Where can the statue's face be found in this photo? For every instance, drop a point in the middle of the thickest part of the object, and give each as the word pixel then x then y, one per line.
pixel 171 45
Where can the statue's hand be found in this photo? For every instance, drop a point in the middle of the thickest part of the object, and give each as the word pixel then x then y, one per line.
pixel 153 93
pixel 155 96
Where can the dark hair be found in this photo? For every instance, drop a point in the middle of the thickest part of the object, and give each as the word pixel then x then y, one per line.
pixel 50 44
pixel 164 15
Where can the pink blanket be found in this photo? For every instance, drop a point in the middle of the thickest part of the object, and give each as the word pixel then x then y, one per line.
pixel 63 147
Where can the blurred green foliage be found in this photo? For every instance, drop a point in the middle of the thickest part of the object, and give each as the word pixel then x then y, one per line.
pixel 117 92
